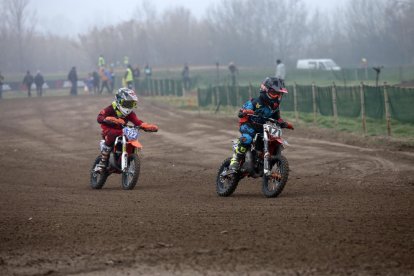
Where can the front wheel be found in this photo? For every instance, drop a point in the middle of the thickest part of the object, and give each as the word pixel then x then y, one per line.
pixel 273 185
pixel 130 177
pixel 226 183
pixel 98 177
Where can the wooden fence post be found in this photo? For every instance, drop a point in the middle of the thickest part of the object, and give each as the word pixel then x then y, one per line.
pixel 238 97
pixel 334 106
pixel 215 96
pixel 228 94
pixel 295 103
pixel 363 116
pixel 387 110
pixel 314 102
pixel 198 101
pixel 153 93
pixel 176 88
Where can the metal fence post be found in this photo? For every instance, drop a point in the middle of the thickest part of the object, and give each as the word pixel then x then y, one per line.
pixel 387 110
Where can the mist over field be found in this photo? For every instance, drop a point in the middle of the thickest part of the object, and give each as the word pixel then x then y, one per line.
pixel 36 34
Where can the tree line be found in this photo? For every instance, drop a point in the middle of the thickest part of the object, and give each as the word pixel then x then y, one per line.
pixel 248 32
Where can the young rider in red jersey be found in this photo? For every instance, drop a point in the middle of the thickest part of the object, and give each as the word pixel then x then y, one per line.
pixel 114 116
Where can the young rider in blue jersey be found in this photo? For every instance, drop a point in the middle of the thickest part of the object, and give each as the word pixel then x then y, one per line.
pixel 267 105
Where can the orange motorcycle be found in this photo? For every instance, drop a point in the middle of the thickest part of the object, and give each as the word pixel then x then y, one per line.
pixel 124 159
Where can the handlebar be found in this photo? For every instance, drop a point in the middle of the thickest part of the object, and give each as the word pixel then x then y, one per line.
pixel 267 119
pixel 129 126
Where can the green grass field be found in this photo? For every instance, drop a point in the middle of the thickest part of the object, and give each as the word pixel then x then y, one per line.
pixel 400 132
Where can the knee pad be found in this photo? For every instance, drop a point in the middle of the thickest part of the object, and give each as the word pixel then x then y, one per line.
pixel 245 140
pixel 103 147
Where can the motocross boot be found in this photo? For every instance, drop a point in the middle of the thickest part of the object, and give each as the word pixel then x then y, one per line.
pixel 238 155
pixel 105 150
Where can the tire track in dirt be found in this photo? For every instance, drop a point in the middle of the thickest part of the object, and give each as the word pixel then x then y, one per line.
pixel 337 215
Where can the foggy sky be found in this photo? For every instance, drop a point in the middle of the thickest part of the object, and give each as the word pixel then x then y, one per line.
pixel 69 17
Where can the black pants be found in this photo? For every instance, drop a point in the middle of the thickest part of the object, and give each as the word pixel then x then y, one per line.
pixel 39 90
pixel 29 90
pixel 105 84
pixel 74 89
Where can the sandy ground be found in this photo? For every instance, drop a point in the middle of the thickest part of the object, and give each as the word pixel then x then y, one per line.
pixel 347 209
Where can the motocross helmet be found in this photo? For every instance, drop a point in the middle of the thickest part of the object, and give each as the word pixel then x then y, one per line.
pixel 274 88
pixel 126 100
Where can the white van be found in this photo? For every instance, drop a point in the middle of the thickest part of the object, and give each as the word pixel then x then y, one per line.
pixel 317 64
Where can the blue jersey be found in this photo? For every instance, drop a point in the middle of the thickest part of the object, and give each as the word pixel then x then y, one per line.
pixel 263 108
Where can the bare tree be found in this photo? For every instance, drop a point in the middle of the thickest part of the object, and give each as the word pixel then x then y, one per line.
pixel 21 24
pixel 258 31
pixel 400 26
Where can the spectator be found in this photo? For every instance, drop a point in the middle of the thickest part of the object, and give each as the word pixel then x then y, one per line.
pixel 148 74
pixel 73 78
pixel 129 77
pixel 233 72
pixel 96 82
pixel 148 71
pixel 39 81
pixel 280 70
pixel 137 73
pixel 28 81
pixel 105 78
pixel 112 79
pixel 186 77
pixel 101 61
pixel 1 85
pixel 89 84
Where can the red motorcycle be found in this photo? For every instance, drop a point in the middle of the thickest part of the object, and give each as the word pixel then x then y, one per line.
pixel 264 159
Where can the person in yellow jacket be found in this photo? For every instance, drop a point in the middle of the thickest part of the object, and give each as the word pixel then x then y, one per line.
pixel 129 77
pixel 101 61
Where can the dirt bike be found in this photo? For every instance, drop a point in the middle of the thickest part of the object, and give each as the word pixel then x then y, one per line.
pixel 123 159
pixel 264 159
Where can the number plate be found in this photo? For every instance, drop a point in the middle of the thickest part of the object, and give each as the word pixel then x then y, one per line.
pixel 274 131
pixel 131 133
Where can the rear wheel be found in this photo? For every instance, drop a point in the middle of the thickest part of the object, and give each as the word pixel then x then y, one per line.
pixel 98 178
pixel 130 177
pixel 273 185
pixel 226 183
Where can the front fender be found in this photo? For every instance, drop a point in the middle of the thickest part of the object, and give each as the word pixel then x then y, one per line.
pixel 135 144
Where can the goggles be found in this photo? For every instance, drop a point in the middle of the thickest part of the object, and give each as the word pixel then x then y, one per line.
pixel 274 94
pixel 128 103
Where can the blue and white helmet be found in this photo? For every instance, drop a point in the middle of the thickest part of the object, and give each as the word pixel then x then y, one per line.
pixel 126 100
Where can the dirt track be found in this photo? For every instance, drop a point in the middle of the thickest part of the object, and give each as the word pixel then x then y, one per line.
pixel 345 210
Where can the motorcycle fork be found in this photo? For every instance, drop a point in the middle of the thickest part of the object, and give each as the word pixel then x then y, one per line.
pixel 124 157
pixel 266 169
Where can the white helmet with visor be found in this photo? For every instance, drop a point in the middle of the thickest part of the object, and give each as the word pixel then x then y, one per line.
pixel 126 100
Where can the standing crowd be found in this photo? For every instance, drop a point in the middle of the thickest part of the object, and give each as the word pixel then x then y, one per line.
pixel 104 78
